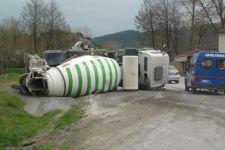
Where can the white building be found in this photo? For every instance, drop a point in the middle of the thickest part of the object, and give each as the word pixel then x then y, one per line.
pixel 222 41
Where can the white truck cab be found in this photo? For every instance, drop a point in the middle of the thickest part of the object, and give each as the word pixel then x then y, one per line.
pixel 153 69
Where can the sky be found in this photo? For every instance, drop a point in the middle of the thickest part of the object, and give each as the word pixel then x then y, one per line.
pixel 101 16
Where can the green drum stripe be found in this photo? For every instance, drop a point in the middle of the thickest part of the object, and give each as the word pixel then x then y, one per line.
pixel 103 74
pixel 80 80
pixel 70 81
pixel 111 75
pixel 96 75
pixel 88 78
pixel 116 71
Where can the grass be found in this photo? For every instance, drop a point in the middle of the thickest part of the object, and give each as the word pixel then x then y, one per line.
pixel 16 70
pixel 61 146
pixel 9 79
pixel 16 125
pixel 71 116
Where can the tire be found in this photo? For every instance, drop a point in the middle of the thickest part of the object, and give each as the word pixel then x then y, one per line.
pixel 194 90
pixel 176 82
pixel 186 87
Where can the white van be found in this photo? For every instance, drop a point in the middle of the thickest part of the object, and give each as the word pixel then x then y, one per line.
pixel 153 69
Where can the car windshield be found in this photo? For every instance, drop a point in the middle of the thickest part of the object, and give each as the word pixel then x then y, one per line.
pixel 172 67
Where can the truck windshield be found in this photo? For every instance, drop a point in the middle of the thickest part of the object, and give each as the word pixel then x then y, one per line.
pixel 54 59
pixel 220 64
pixel 206 63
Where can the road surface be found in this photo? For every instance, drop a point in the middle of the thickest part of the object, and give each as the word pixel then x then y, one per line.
pixel 170 119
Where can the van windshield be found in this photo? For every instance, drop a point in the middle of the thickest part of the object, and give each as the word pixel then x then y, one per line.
pixel 220 64
pixel 206 63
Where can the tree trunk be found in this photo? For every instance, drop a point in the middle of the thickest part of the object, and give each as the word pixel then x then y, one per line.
pixel 1 64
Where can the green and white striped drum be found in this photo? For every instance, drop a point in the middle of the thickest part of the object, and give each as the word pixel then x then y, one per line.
pixel 83 76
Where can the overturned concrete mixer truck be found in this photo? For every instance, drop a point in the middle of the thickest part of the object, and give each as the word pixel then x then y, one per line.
pixel 73 78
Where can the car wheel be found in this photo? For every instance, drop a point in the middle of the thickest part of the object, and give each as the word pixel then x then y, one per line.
pixel 177 82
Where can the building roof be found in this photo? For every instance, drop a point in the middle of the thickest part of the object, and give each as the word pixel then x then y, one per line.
pixel 188 53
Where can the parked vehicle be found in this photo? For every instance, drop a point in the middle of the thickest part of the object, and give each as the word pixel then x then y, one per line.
pixel 206 71
pixel 174 75
pixel 153 69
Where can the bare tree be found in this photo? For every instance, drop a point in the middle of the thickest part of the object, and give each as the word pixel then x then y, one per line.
pixel 56 21
pixel 32 19
pixel 215 12
pixel 145 20
pixel 192 10
pixel 11 30
pixel 84 30
pixel 176 22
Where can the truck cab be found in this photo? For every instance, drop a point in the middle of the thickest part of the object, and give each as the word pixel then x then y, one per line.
pixel 206 70
pixel 153 69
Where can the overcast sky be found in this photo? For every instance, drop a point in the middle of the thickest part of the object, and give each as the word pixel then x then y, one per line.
pixel 101 16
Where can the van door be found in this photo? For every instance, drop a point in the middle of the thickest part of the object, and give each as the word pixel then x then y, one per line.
pixel 190 72
pixel 219 78
pixel 205 71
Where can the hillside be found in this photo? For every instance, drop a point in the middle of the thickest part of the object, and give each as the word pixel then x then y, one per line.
pixel 128 38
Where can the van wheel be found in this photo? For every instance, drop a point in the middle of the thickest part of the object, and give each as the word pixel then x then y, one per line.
pixel 194 90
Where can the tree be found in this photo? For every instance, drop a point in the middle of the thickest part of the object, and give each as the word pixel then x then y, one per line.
pixel 32 18
pixel 215 12
pixel 192 11
pixel 145 20
pixel 55 22
pixel 85 31
pixel 10 30
pixel 162 20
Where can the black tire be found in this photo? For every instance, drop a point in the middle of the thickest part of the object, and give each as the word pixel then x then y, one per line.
pixel 186 87
pixel 194 90
pixel 176 82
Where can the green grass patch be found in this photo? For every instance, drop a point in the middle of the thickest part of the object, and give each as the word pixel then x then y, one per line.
pixel 16 125
pixel 47 146
pixel 9 79
pixel 71 116
pixel 16 70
